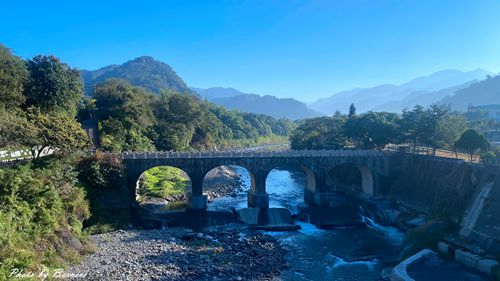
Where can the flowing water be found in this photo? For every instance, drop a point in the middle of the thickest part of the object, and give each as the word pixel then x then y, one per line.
pixel 317 254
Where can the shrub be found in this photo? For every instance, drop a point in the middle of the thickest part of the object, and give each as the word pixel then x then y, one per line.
pixel 37 205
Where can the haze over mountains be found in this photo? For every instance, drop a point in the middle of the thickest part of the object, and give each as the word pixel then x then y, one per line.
pixel 156 76
pixel 454 87
pixel 269 105
pixel 423 90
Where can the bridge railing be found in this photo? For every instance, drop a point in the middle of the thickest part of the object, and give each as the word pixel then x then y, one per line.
pixel 252 154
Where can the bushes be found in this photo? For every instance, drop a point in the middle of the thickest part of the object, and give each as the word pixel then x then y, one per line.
pixel 37 204
pixel 103 179
pixel 163 182
pixel 101 172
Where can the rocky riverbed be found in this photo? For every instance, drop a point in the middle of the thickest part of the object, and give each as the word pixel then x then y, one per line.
pixel 181 254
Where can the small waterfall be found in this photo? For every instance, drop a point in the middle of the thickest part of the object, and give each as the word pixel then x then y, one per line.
pixel 474 211
pixel 339 262
pixel 393 234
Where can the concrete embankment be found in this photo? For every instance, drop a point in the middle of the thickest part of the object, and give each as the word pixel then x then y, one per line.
pixel 467 194
pixel 463 194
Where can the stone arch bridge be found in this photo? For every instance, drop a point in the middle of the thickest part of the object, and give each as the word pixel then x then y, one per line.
pixel 315 164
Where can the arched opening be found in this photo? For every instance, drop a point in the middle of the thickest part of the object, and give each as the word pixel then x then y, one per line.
pixel 351 178
pixel 286 186
pixel 226 187
pixel 163 188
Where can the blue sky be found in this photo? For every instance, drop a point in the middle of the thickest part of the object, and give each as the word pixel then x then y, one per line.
pixel 301 49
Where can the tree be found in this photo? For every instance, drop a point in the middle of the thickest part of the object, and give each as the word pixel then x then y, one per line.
pixel 418 126
pixel 472 142
pixel 52 85
pixel 15 130
pixel 13 75
pixel 319 133
pixel 449 128
pixel 55 131
pixel 352 110
pixel 372 129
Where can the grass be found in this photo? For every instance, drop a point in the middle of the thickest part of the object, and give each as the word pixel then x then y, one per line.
pixel 163 182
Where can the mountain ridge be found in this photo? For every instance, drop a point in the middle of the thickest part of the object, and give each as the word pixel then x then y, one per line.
pixel 267 104
pixel 144 71
pixel 374 98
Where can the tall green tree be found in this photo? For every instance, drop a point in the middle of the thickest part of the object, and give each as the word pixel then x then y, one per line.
pixel 472 142
pixel 53 85
pixel 449 128
pixel 55 131
pixel 352 110
pixel 372 129
pixel 125 114
pixel 419 126
pixel 15 129
pixel 13 75
pixel 319 133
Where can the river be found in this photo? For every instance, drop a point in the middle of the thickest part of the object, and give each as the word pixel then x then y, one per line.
pixel 317 254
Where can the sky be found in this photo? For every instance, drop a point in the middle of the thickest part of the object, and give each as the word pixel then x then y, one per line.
pixel 302 49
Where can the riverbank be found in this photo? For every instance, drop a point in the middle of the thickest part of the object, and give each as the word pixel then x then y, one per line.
pixel 181 254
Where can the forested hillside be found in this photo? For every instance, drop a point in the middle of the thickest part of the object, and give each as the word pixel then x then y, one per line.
pixel 144 72
pixel 42 204
pixel 132 119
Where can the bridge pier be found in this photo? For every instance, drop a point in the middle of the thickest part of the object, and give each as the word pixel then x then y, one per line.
pixel 314 198
pixel 257 196
pixel 196 200
pixel 256 200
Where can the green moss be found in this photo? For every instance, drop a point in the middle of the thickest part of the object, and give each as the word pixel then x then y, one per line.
pixel 163 182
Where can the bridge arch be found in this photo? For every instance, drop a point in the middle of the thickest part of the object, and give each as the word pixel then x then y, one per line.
pixel 351 178
pixel 224 173
pixel 300 183
pixel 162 181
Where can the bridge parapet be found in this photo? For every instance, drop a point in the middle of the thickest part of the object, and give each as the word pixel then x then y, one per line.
pixel 253 154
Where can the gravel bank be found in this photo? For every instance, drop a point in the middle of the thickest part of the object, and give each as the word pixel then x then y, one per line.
pixel 181 254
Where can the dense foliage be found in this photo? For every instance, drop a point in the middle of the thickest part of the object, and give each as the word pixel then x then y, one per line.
pixel 434 126
pixel 135 120
pixel 320 133
pixel 42 204
pixel 471 141
pixel 41 213
pixel 162 182
pixel 13 74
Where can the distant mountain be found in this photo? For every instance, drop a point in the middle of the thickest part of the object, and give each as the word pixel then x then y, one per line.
pixel 422 90
pixel 423 98
pixel 269 105
pixel 485 92
pixel 145 72
pixel 217 92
